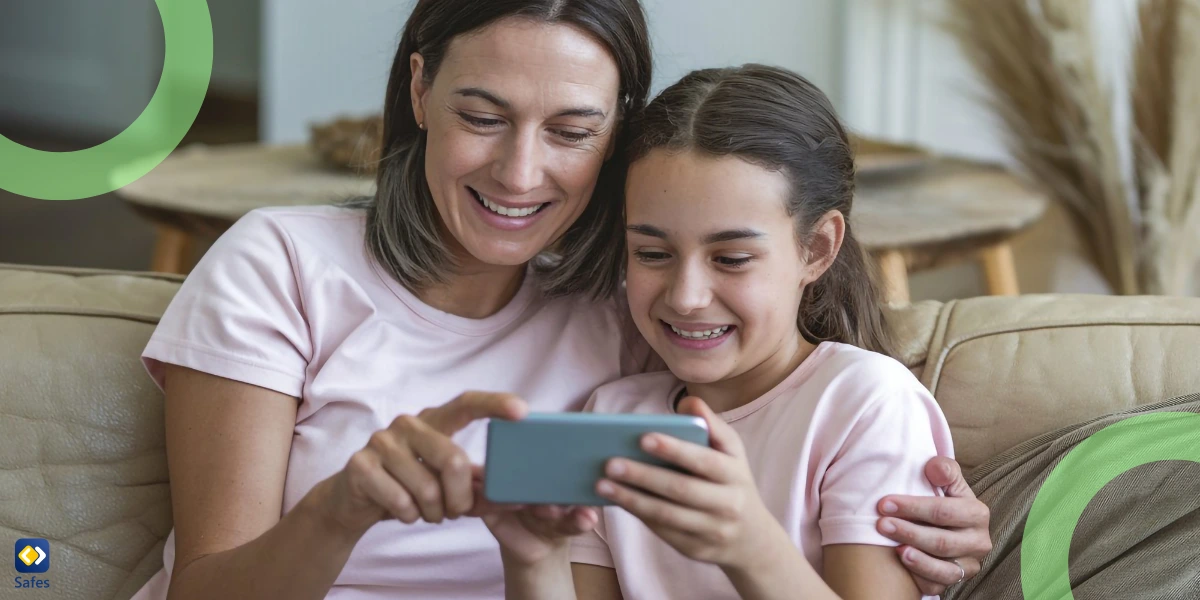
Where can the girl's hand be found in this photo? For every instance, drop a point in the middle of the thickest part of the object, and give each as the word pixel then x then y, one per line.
pixel 412 470
pixel 714 514
pixel 529 535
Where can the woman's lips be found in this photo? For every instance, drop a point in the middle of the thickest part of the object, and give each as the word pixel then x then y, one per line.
pixel 503 222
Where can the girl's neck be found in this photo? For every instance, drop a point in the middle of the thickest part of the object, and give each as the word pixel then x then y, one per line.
pixel 728 394
pixel 475 290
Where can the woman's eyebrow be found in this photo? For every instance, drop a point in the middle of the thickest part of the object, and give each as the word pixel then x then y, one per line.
pixel 578 111
pixel 649 230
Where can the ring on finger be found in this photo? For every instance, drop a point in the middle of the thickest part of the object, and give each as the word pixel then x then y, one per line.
pixel 962 571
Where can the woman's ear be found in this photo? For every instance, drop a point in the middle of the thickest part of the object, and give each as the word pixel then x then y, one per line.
pixel 824 245
pixel 418 88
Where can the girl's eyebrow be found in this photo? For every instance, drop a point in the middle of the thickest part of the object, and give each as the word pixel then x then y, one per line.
pixel 728 235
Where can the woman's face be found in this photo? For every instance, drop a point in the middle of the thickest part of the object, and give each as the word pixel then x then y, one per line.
pixel 715 272
pixel 520 117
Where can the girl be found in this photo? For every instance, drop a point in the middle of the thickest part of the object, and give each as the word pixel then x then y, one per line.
pixel 744 276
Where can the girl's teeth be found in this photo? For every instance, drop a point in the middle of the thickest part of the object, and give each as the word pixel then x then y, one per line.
pixel 509 212
pixel 700 335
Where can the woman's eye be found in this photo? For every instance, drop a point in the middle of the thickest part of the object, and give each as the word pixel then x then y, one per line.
pixel 651 256
pixel 731 261
pixel 574 136
pixel 480 122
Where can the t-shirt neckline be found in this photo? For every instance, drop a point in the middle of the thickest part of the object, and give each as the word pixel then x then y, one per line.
pixel 799 374
pixel 525 296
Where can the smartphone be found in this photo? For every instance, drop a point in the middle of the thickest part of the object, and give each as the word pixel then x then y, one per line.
pixel 557 458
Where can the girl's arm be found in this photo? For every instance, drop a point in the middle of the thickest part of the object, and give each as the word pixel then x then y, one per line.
pixel 862 572
pixel 593 582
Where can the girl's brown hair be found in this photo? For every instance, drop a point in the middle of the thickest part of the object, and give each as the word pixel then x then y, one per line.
pixel 780 121
pixel 404 232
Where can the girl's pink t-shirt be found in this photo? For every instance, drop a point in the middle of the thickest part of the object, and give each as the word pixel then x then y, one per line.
pixel 289 300
pixel 846 428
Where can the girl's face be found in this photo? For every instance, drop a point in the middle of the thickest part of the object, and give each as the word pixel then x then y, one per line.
pixel 520 118
pixel 715 271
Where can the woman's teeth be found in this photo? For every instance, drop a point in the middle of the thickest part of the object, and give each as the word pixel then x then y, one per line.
pixel 707 334
pixel 507 212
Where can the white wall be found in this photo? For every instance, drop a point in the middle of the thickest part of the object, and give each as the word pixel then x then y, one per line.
pixel 322 59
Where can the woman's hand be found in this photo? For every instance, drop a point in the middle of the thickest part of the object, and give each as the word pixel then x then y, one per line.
pixel 713 513
pixel 939 534
pixel 412 470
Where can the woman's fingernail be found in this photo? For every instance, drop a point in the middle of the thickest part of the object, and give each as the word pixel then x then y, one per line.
pixel 889 507
pixel 888 527
pixel 605 488
pixel 616 468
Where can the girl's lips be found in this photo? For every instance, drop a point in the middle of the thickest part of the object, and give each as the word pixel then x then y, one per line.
pixel 695 344
pixel 506 223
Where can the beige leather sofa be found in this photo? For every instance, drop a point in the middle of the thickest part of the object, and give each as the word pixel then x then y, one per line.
pixel 81 433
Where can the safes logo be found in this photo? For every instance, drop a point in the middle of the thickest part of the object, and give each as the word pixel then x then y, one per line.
pixel 31 555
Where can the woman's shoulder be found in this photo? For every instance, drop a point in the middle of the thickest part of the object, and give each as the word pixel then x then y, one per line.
pixel 310 228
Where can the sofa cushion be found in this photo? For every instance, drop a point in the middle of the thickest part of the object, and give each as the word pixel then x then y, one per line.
pixel 1005 370
pixel 81 426
pixel 1138 537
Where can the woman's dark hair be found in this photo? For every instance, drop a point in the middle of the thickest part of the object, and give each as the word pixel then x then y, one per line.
pixel 780 121
pixel 403 226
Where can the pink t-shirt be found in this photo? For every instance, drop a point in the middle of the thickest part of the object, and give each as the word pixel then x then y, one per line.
pixel 846 428
pixel 289 300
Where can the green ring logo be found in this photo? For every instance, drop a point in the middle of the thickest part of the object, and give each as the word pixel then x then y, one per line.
pixel 1086 469
pixel 187 69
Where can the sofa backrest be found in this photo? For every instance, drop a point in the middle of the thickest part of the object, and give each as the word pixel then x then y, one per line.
pixel 1005 370
pixel 81 426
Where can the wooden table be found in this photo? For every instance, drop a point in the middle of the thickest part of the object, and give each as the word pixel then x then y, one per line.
pixel 944 212
pixel 908 220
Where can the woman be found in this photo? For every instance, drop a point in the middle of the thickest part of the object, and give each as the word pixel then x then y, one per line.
pixel 300 336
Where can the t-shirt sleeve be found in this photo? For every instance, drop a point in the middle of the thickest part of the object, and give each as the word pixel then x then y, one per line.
pixel 591 548
pixel 239 314
pixel 884 452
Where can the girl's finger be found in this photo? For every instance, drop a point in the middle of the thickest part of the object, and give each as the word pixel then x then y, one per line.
pixel 653 511
pixel 685 490
pixel 707 463
pixel 722 437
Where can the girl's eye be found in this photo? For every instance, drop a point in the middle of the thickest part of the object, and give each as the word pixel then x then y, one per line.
pixel 480 122
pixel 730 261
pixel 651 256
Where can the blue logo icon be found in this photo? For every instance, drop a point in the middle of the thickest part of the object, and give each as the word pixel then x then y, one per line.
pixel 31 555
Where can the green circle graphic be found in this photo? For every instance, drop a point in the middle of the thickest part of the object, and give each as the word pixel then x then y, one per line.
pixel 1085 470
pixel 187 69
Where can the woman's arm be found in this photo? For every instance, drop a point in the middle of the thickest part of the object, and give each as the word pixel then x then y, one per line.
pixel 227 451
pixel 595 583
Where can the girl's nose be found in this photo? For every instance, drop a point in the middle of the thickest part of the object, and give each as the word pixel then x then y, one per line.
pixel 690 289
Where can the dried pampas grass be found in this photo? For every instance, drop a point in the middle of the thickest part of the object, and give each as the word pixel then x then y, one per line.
pixel 1038 60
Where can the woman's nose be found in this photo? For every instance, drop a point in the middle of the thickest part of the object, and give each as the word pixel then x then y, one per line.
pixel 690 290
pixel 520 168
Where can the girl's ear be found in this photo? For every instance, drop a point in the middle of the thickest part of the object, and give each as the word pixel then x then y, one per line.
pixel 824 245
pixel 418 89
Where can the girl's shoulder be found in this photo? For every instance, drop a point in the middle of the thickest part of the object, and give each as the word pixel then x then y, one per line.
pixel 646 393
pixel 850 380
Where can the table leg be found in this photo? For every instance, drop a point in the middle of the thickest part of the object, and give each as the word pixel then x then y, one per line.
pixel 894 270
pixel 1000 270
pixel 172 251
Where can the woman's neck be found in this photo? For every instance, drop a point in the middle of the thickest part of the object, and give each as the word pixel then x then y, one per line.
pixel 475 292
pixel 728 394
